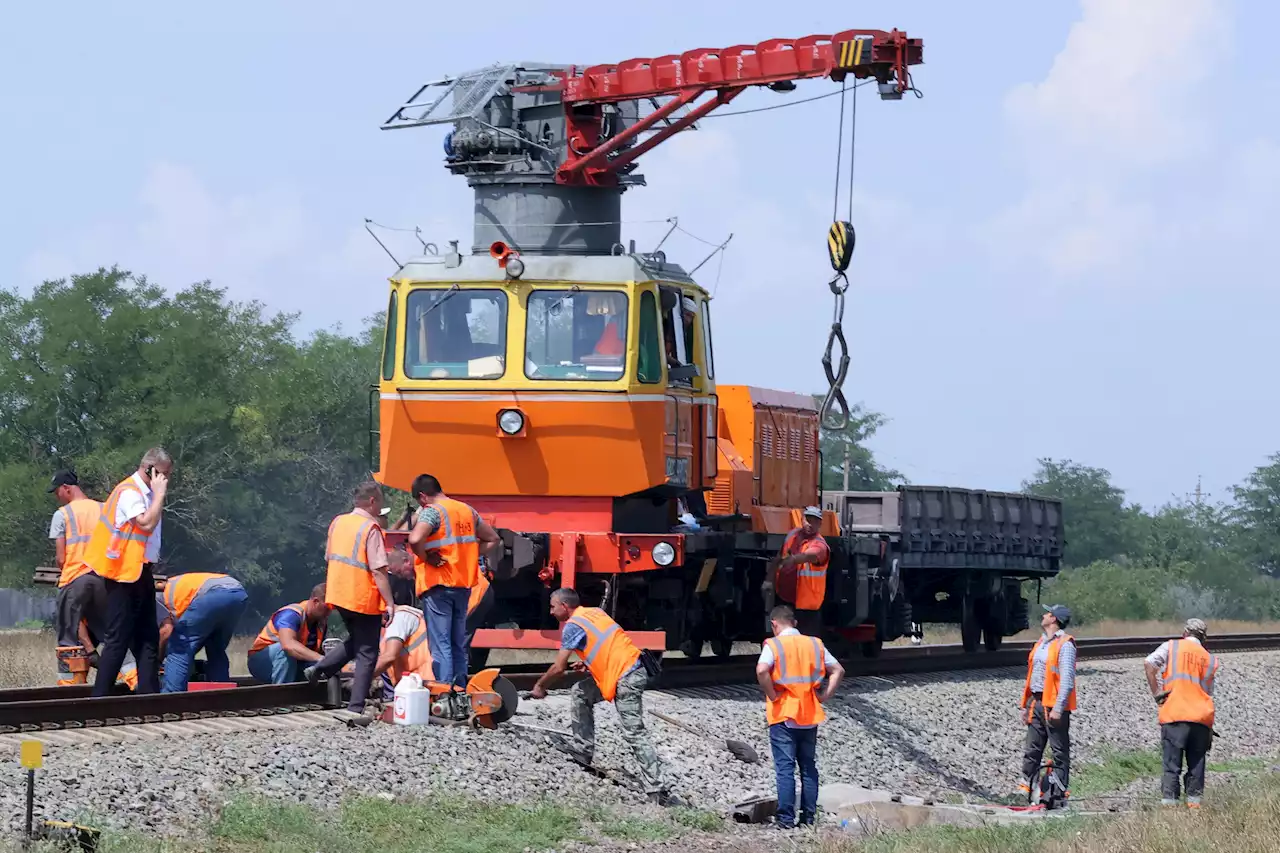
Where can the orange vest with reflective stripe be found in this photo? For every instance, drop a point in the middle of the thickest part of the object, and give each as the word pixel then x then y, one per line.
pixel 269 636
pixel 799 665
pixel 811 578
pixel 114 554
pixel 609 652
pixel 416 654
pixel 456 543
pixel 81 517
pixel 1188 676
pixel 477 593
pixel 1052 676
pixel 181 590
pixel 349 580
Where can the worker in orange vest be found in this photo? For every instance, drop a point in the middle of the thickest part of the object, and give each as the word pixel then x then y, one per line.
pixel 1048 698
pixel 790 671
pixel 448 539
pixel 404 647
pixel 803 562
pixel 123 547
pixel 1181 674
pixel 357 586
pixel 618 675
pixel 82 596
pixel 206 609
pixel 292 637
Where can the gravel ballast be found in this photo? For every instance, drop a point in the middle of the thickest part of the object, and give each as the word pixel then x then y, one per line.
pixel 925 737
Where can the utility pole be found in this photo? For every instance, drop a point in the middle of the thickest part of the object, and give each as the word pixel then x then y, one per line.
pixel 846 467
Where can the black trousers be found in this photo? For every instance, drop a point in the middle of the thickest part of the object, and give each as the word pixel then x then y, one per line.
pixel 1192 741
pixel 130 626
pixel 363 637
pixel 1041 733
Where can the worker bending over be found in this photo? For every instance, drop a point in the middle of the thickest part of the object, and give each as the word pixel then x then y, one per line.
pixel 291 639
pixel 617 675
pixel 1048 698
pixel 81 602
pixel 356 585
pixel 448 539
pixel 206 608
pixel 804 556
pixel 404 648
pixel 123 547
pixel 1181 674
pixel 790 672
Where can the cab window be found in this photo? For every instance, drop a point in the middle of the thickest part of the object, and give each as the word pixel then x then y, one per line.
pixel 679 316
pixel 455 334
pixel 576 334
pixel 706 339
pixel 389 343
pixel 649 362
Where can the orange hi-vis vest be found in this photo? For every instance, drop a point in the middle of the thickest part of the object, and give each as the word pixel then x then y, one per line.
pixel 456 542
pixel 269 636
pixel 477 593
pixel 1188 676
pixel 349 579
pixel 416 655
pixel 181 590
pixel 799 665
pixel 114 554
pixel 811 578
pixel 1052 675
pixel 81 517
pixel 611 342
pixel 609 652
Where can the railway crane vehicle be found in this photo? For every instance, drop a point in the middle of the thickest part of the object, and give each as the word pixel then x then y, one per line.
pixel 564 384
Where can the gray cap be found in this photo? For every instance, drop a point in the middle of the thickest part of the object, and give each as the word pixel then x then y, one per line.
pixel 812 512
pixel 1060 612
pixel 1197 627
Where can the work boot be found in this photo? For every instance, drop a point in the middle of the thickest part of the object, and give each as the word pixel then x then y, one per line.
pixel 312 674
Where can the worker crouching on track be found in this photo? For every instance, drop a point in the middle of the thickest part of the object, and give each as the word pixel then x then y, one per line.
pixel 206 608
pixel 81 604
pixel 356 585
pixel 404 648
pixel 1048 698
pixel 1181 675
pixel 618 675
pixel 790 672
pixel 291 639
pixel 448 540
pixel 805 554
pixel 123 547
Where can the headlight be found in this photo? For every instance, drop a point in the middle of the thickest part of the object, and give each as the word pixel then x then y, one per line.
pixel 664 554
pixel 515 268
pixel 510 421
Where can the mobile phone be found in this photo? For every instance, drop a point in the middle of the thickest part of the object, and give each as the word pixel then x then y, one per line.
pixel 151 471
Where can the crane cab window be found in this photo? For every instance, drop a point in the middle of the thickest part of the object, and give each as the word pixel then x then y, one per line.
pixel 679 316
pixel 649 357
pixel 455 334
pixel 576 334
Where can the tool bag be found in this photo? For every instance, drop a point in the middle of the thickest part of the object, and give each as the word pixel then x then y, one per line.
pixel 652 664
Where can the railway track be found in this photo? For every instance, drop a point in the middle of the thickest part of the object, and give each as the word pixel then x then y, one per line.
pixel 60 708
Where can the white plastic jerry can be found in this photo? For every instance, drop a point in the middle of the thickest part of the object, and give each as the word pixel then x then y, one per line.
pixel 412 702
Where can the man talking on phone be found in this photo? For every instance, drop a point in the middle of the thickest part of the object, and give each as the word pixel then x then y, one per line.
pixel 124 546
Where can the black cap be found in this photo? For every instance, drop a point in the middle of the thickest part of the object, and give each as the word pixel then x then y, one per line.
pixel 65 477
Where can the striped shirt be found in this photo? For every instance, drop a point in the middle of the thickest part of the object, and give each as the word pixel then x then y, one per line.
pixel 1066 666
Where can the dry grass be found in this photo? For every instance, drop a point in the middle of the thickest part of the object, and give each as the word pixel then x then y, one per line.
pixel 27 658
pixel 935 635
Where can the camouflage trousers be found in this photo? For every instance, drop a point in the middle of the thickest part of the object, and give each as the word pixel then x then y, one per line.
pixel 630 704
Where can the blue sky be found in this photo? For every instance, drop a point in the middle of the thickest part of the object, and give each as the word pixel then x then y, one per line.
pixel 1065 248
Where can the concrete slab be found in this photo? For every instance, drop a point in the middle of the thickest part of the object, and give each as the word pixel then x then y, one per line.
pixel 873 811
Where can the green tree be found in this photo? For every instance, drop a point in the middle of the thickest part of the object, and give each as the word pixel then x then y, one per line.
pixel 1257 516
pixel 865 474
pixel 1093 509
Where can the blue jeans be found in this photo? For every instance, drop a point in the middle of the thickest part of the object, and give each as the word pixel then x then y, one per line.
pixel 271 665
pixel 208 624
pixel 792 746
pixel 446 611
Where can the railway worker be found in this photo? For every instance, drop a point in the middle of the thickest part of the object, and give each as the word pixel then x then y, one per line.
pixel 806 555
pixel 1049 697
pixel 122 549
pixel 618 675
pixel 357 586
pixel 448 540
pixel 790 672
pixel 404 648
pixel 1181 674
pixel 82 597
pixel 292 638
pixel 206 608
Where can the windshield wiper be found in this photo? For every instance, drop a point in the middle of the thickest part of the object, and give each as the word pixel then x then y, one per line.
pixel 555 306
pixel 448 294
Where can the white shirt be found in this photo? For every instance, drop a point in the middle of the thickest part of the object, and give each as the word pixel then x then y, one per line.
pixel 403 624
pixel 133 504
pixel 766 659
pixel 1160 657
